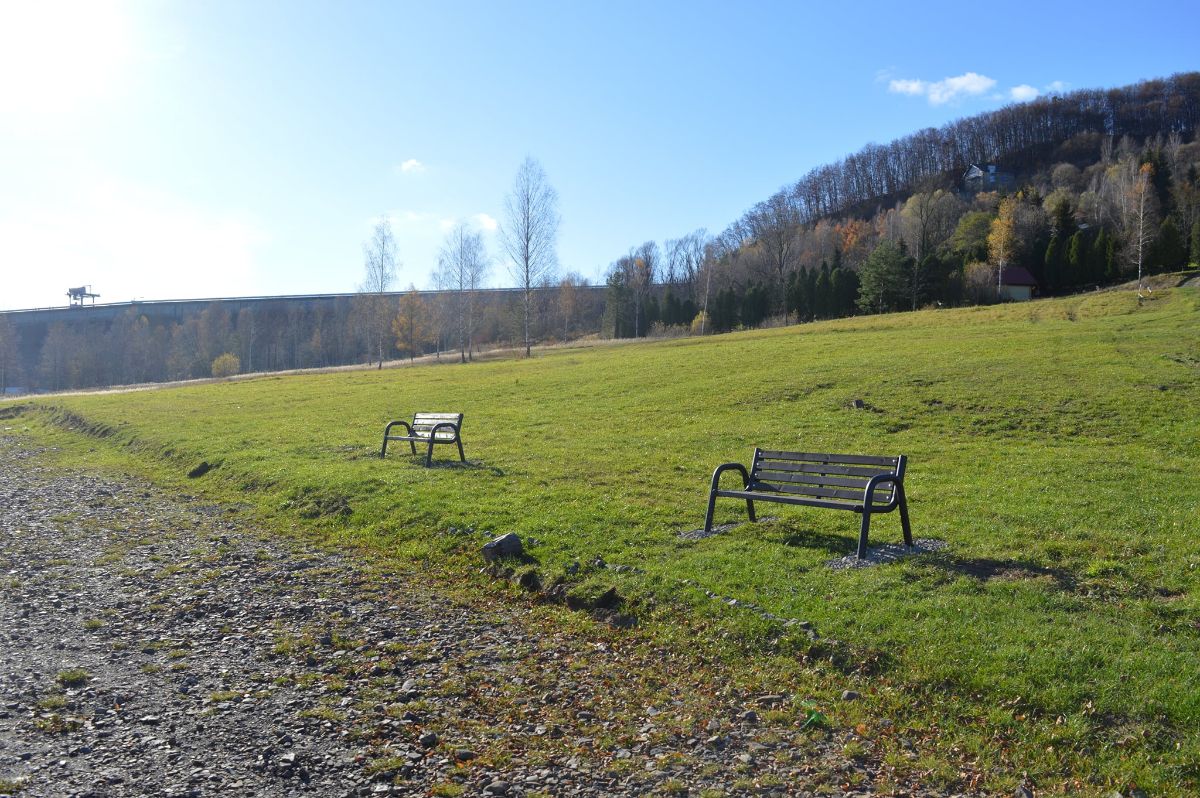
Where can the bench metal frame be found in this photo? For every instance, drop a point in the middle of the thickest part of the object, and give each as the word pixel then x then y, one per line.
pixel 428 428
pixel 863 484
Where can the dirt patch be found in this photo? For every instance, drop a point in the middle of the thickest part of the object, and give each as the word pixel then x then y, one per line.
pixel 13 411
pixel 313 503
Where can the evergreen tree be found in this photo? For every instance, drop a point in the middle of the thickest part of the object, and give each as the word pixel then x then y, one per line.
pixel 687 311
pixel 1076 259
pixel 617 306
pixel 756 304
pixel 845 291
pixel 797 296
pixel 650 314
pixel 1103 266
pixel 1169 252
pixel 822 294
pixel 882 279
pixel 724 310
pixel 1052 273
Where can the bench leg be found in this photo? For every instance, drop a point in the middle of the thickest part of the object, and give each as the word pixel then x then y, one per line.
pixel 862 535
pixel 412 445
pixel 383 451
pixel 429 454
pixel 904 524
pixel 462 457
pixel 712 502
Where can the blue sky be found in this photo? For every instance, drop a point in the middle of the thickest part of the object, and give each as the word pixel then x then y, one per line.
pixel 186 149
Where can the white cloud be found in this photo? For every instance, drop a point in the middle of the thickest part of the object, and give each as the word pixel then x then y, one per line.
pixel 1023 93
pixel 485 222
pixel 907 86
pixel 412 166
pixel 940 92
pixel 1056 87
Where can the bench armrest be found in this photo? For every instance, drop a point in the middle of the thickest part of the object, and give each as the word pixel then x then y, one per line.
pixel 721 469
pixel 447 425
pixel 405 424
pixel 876 481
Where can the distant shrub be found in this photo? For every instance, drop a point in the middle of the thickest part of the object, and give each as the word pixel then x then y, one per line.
pixel 979 283
pixel 660 330
pixel 701 323
pixel 226 365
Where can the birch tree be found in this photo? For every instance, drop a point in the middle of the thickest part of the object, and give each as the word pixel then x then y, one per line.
pixel 462 265
pixel 1140 222
pixel 528 234
pixel 375 307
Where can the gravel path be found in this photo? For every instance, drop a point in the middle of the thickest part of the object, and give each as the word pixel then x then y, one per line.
pixel 151 646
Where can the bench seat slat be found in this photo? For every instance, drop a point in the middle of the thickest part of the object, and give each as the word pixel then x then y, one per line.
pixel 808 490
pixel 419 435
pixel 771 475
pixel 419 417
pixel 813 502
pixel 848 459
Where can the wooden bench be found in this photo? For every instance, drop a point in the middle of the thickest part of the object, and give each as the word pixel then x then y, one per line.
pixel 860 483
pixel 428 428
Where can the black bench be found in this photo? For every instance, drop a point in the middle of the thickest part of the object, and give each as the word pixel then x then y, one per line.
pixel 428 428
pixel 859 483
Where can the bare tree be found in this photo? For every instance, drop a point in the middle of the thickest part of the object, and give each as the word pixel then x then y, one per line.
pixel 928 219
pixel 569 301
pixel 684 259
pixel 528 233
pixel 772 223
pixel 462 264
pixel 375 307
pixel 640 268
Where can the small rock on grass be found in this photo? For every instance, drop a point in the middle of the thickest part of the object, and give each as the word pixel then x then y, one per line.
pixel 504 546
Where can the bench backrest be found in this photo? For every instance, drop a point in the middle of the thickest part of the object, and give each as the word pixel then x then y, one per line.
pixel 833 477
pixel 423 424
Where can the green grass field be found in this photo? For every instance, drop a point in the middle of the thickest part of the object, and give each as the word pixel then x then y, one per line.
pixel 1052 445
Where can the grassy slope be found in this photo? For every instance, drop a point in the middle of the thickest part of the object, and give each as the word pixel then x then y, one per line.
pixel 1051 444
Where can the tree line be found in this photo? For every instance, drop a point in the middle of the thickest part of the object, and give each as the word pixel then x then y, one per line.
pixel 139 346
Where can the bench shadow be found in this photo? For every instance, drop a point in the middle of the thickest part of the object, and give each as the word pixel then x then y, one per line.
pixel 986 569
pixel 839 545
pixel 451 465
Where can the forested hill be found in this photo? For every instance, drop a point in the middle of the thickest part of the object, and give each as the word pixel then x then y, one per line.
pixel 1024 138
pixel 1068 192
